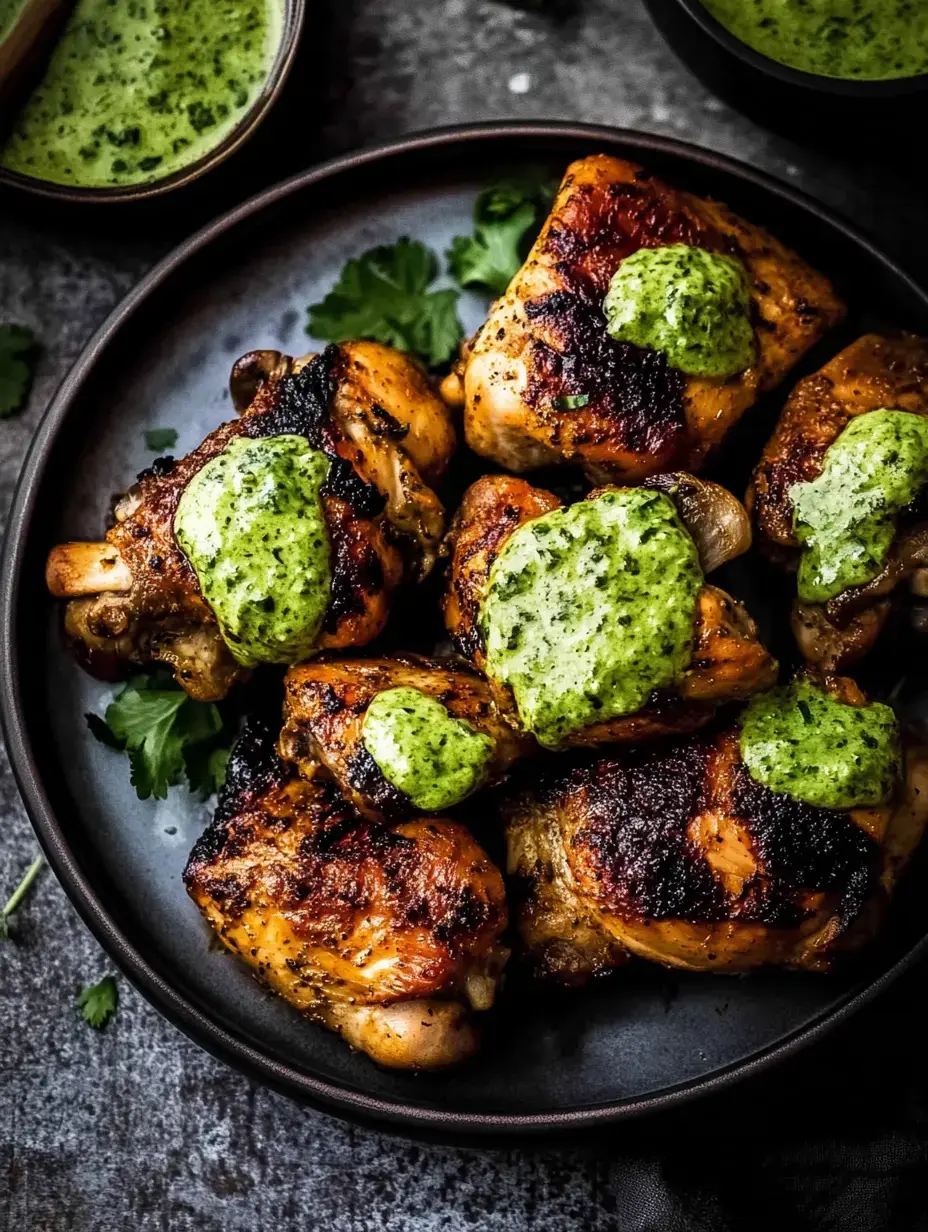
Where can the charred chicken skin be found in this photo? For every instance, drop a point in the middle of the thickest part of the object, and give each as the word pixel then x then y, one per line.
pixel 544 381
pixel 328 701
pixel 728 662
pixel 676 854
pixel 387 436
pixel 388 936
pixel 873 374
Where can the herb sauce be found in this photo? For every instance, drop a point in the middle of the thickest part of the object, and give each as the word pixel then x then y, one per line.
pixel 137 89
pixel 252 525
pixel 859 40
pixel 436 760
pixel 589 609
pixel 798 740
pixel 846 518
pixel 690 304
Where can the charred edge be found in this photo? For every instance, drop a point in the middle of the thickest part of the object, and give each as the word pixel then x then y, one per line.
pixel 357 573
pixel 159 469
pixel 801 846
pixel 635 390
pixel 301 407
pixel 254 768
pixel 639 810
pixel 366 777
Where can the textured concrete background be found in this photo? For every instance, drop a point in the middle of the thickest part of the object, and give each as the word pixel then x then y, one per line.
pixel 136 1128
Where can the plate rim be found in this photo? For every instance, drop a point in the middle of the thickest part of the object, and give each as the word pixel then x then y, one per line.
pixel 170 1001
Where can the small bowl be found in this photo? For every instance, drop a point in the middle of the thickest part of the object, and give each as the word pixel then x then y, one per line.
pixel 294 12
pixel 806 107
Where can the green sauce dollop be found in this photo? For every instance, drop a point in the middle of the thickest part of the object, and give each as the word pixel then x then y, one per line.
pixel 436 760
pixel 589 609
pixel 846 518
pixel 691 304
pixel 137 89
pixel 252 526
pixel 862 40
pixel 798 740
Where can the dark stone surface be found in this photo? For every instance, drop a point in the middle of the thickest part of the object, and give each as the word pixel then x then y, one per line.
pixel 136 1128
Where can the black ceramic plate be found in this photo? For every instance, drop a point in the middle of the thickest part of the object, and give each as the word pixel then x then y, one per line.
pixel 642 1040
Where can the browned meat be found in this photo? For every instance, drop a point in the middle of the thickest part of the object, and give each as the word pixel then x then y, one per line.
pixel 546 338
pixel 373 412
pixel 728 660
pixel 675 854
pixel 388 936
pixel 874 373
pixel 327 699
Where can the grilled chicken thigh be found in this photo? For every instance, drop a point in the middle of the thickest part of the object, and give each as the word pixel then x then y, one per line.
pixel 328 701
pixel 872 374
pixel 728 661
pixel 388 936
pixel 388 436
pixel 676 854
pixel 545 349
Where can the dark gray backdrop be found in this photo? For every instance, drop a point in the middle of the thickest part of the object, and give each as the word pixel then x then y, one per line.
pixel 136 1128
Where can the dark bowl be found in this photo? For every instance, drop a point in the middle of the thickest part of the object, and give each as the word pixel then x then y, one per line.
pixel 294 12
pixel 806 107
pixel 648 1039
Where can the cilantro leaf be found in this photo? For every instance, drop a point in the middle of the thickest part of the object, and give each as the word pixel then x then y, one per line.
pixel 166 734
pixel 17 365
pixel 158 439
pixel 97 1002
pixel 506 217
pixel 18 895
pixel 384 295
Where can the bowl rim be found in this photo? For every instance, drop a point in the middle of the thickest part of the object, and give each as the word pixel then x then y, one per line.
pixel 893 87
pixel 292 21
pixel 232 1048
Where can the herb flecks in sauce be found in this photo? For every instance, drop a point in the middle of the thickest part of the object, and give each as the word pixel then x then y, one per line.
pixel 252 525
pixel 136 90
pixel 589 609
pixel 846 518
pixel 798 740
pixel 690 304
pixel 858 40
pixel 434 759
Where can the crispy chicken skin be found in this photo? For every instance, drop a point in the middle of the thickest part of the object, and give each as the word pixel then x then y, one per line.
pixel 546 338
pixel 874 373
pixel 388 936
pixel 388 434
pixel 675 854
pixel 728 661
pixel 324 708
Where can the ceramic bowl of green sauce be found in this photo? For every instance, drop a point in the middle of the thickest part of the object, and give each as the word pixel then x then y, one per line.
pixel 140 97
pixel 814 69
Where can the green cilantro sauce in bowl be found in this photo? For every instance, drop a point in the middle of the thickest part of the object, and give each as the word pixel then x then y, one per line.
pixel 142 96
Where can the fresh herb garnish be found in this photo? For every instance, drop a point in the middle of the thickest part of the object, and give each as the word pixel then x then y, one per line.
pixel 158 439
pixel 17 897
pixel 97 1002
pixel 166 734
pixel 384 295
pixel 571 402
pixel 17 366
pixel 507 216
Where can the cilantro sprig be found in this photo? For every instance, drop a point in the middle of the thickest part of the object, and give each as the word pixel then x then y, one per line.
pixel 507 216
pixel 18 353
pixel 98 1002
pixel 166 734
pixel 385 295
pixel 16 898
